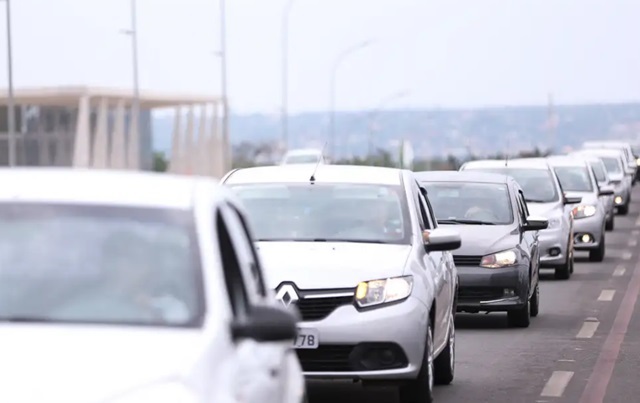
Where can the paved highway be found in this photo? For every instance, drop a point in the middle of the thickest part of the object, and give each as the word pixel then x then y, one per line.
pixel 575 351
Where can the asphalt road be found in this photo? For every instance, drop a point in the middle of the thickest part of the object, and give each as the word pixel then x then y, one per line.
pixel 584 347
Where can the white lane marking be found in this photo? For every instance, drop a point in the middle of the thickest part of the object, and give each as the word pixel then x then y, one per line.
pixel 565 360
pixel 606 295
pixel 636 232
pixel 626 255
pixel 587 330
pixel 633 242
pixel 557 384
pixel 619 271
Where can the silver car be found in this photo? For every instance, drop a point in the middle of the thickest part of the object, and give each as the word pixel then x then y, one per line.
pixel 621 177
pixel 590 217
pixel 358 250
pixel 604 182
pixel 545 198
pixel 630 163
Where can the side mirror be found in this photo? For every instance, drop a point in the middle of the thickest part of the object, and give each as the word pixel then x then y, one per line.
pixel 606 190
pixel 266 324
pixel 572 200
pixel 441 239
pixel 536 223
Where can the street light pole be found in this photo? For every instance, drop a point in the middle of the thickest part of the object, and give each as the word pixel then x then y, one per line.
pixel 135 111
pixel 374 115
pixel 334 73
pixel 227 158
pixel 10 103
pixel 285 73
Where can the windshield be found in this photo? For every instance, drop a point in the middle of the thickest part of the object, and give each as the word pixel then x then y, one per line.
pixel 574 179
pixel 327 212
pixel 612 164
pixel 598 170
pixel 99 264
pixel 482 202
pixel 537 185
pixel 302 159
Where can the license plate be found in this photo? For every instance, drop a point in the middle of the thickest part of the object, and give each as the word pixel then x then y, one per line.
pixel 307 338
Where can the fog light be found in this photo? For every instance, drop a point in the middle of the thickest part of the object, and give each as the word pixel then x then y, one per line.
pixel 618 200
pixel 554 251
pixel 585 238
pixel 508 292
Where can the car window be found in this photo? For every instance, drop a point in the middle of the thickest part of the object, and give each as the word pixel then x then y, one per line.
pixel 599 171
pixel 432 216
pixel 612 164
pixel 483 202
pixel 538 184
pixel 247 255
pixel 574 178
pixel 234 282
pixel 100 264
pixel 340 212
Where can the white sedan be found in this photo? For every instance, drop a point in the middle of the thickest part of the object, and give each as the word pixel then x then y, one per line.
pixel 135 287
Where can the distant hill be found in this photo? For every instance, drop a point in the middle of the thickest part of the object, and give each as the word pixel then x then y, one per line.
pixel 438 132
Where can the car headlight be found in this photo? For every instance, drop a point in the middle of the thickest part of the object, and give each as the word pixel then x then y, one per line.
pixel 165 393
pixel 501 259
pixel 584 211
pixel 554 222
pixel 377 292
pixel 638 162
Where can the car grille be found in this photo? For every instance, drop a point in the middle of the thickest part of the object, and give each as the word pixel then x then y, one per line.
pixel 320 308
pixel 479 293
pixel 467 260
pixel 326 358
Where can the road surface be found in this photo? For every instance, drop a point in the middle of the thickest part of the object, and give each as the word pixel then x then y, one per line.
pixel 576 350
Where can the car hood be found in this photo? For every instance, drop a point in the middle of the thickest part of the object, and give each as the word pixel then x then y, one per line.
pixel 77 364
pixel 479 240
pixel 330 264
pixel 546 210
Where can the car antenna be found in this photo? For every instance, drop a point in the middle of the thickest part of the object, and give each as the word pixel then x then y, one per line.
pixel 506 154
pixel 312 179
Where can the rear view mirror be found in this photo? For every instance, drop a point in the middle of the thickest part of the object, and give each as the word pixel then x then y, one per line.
pixel 536 223
pixel 606 190
pixel 266 324
pixel 572 200
pixel 441 239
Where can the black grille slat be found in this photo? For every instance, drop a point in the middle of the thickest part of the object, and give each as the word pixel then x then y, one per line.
pixel 320 308
pixel 467 260
pixel 325 358
pixel 480 293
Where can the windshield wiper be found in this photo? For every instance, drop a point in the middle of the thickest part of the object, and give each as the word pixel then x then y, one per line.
pixel 26 319
pixel 465 221
pixel 535 201
pixel 320 240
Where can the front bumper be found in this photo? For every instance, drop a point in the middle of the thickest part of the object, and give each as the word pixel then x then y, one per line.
pixel 483 289
pixel 347 335
pixel 591 226
pixel 553 244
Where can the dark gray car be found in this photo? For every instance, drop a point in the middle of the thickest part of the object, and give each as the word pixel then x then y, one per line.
pixel 499 260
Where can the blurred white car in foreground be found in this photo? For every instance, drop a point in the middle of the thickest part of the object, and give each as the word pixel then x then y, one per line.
pixel 135 287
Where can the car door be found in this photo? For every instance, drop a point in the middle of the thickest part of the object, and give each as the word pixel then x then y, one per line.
pixel 436 260
pixel 258 377
pixel 529 239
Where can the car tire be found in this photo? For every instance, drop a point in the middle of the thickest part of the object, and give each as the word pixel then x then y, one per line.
pixel 624 209
pixel 564 272
pixel 420 390
pixel 445 364
pixel 520 317
pixel 610 225
pixel 534 306
pixel 597 255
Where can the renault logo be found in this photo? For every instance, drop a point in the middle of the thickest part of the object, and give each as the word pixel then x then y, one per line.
pixel 287 295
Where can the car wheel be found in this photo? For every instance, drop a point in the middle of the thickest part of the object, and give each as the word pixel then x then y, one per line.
pixel 624 209
pixel 564 272
pixel 520 317
pixel 609 226
pixel 597 255
pixel 445 363
pixel 535 302
pixel 420 390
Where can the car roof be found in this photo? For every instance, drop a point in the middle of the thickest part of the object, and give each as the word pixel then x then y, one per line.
pixel 94 186
pixel 605 152
pixel 567 161
pixel 304 151
pixel 532 163
pixel 323 174
pixel 462 176
pixel 616 143
pixel 586 156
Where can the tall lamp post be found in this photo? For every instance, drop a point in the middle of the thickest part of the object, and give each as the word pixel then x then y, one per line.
pixel 376 112
pixel 135 105
pixel 11 123
pixel 334 72
pixel 285 73
pixel 227 157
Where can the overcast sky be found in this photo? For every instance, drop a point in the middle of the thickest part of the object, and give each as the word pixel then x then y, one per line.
pixel 446 53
